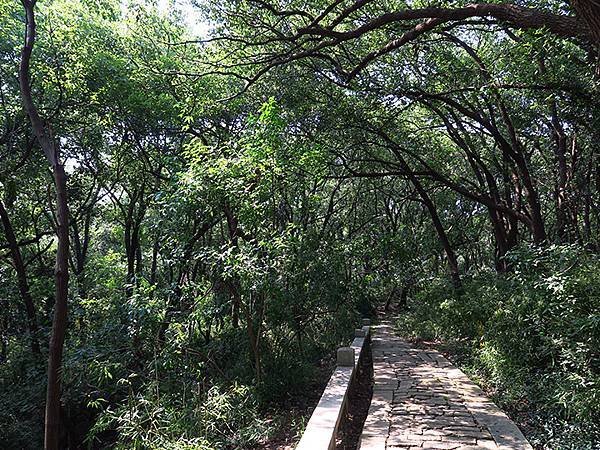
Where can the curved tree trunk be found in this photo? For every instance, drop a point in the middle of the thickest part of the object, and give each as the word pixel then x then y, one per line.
pixel 45 138
pixel 589 11
pixel 437 224
pixel 21 278
pixel 59 321
pixel 442 236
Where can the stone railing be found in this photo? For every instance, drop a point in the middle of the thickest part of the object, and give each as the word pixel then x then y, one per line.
pixel 322 428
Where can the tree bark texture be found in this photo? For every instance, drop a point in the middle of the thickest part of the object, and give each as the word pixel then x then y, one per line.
pixel 45 138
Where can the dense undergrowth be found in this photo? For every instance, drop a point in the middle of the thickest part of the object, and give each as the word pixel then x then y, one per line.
pixel 531 337
pixel 245 179
pixel 197 396
pixel 198 389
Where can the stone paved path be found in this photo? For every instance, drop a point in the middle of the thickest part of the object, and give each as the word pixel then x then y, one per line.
pixel 421 401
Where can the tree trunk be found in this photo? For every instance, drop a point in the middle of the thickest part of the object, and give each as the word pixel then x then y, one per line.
pixel 560 150
pixel 232 226
pixel 435 218
pixel 501 247
pixel 59 322
pixel 403 303
pixel 439 228
pixel 254 333
pixel 21 278
pixel 154 264
pixel 129 253
pixel 79 249
pixel 43 133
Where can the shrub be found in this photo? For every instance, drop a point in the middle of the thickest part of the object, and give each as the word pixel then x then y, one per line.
pixel 223 417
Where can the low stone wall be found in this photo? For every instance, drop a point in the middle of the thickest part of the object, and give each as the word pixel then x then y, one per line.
pixel 321 430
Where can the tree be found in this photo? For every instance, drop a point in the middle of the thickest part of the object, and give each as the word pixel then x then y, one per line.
pixel 292 33
pixel 47 141
pixel 19 266
pixel 238 201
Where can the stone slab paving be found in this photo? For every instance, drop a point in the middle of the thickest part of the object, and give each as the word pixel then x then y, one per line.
pixel 421 401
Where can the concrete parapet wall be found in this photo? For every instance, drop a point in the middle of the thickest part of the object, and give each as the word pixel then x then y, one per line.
pixel 321 430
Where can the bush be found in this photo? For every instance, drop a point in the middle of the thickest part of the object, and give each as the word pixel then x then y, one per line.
pixel 22 400
pixel 224 417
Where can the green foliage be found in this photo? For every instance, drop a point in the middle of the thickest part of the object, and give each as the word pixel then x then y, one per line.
pixel 22 399
pixel 155 418
pixel 223 245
